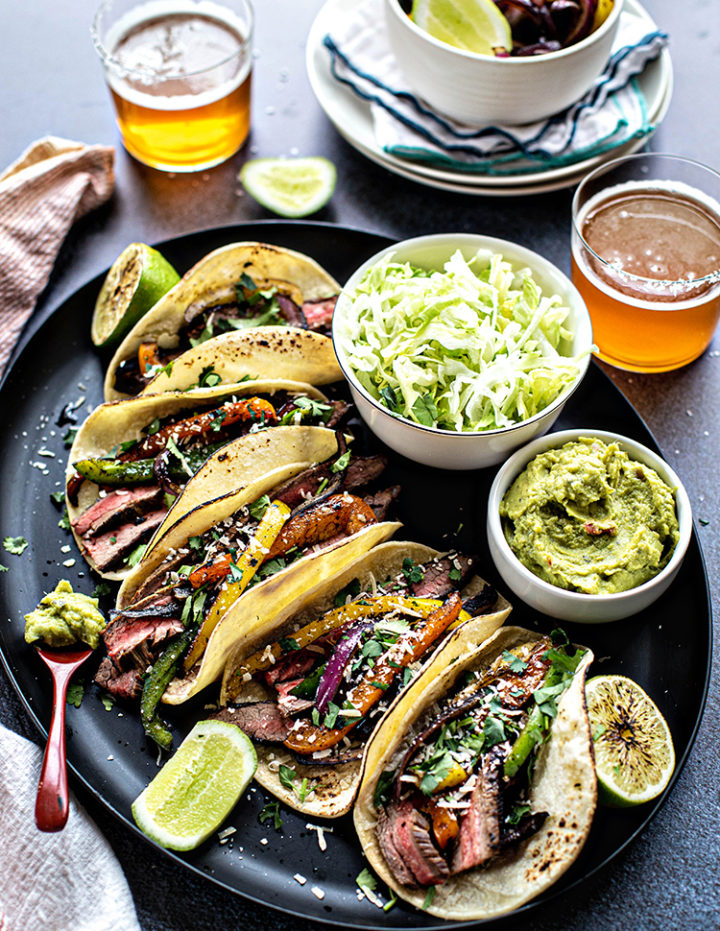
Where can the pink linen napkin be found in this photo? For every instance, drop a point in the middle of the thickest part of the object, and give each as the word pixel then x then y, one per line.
pixel 53 183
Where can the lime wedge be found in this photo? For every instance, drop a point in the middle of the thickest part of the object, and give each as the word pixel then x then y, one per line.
pixel 472 25
pixel 634 754
pixel 137 280
pixel 198 787
pixel 290 187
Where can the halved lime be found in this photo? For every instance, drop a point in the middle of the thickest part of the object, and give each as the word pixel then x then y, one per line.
pixel 472 25
pixel 634 754
pixel 137 280
pixel 290 187
pixel 198 787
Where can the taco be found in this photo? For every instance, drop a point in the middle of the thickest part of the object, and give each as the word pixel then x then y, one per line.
pixel 204 581
pixel 310 681
pixel 247 284
pixel 479 789
pixel 131 459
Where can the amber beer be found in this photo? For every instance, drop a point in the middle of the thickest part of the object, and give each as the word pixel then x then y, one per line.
pixel 646 260
pixel 180 82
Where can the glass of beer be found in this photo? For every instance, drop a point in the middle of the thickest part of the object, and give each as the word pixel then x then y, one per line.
pixel 179 73
pixel 646 259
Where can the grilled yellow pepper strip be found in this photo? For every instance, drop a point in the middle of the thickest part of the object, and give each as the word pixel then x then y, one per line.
pixel 247 565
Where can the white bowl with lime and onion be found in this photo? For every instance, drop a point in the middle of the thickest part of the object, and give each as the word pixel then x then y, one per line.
pixel 459 348
pixel 635 545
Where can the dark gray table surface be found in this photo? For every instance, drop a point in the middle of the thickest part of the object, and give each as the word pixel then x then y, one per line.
pixel 51 84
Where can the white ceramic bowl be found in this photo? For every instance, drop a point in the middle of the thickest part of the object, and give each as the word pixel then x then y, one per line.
pixel 578 606
pixel 449 449
pixel 480 89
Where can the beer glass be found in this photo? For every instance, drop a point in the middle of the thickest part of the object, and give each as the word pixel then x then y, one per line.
pixel 646 259
pixel 179 72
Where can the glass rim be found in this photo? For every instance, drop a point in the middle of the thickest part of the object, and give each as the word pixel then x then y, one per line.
pixel 708 279
pixel 109 61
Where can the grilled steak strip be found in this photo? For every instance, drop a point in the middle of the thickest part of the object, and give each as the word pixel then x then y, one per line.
pixel 410 833
pixel 479 837
pixel 116 508
pixel 436 581
pixel 482 602
pixel 319 314
pixel 112 546
pixel 400 871
pixel 382 501
pixel 262 721
pixel 126 686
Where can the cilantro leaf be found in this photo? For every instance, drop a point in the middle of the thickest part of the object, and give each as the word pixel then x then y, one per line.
pixel 350 591
pixel 493 731
pixel 15 545
pixel 257 508
pixel 75 693
pixel 69 437
pixel 341 463
pixel 366 880
pixel 57 496
pixel 101 590
pixel 287 777
pixel 107 700
pixel 516 664
pixel 271 812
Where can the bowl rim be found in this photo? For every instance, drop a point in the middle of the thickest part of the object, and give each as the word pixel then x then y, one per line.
pixel 561 399
pixel 513 466
pixel 519 61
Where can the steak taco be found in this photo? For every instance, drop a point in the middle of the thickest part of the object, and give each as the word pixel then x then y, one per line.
pixel 310 682
pixel 479 789
pixel 247 284
pixel 131 459
pixel 187 603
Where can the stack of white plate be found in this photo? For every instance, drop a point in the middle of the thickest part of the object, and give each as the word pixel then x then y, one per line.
pixel 352 118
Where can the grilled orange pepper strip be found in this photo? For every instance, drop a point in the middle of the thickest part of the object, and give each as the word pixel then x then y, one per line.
pixel 307 737
pixel 147 357
pixel 211 572
pixel 247 565
pixel 201 426
pixel 337 514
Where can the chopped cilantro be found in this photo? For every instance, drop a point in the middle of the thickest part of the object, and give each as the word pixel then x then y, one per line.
pixel 341 463
pixel 438 771
pixel 366 880
pixel 412 572
pixel 407 677
pixel 559 637
pixel 209 378
pixel 169 499
pixel 15 545
pixel 107 700
pixel 493 731
pixel 384 686
pixel 455 574
pixel 271 812
pixel 3 568
pixel 57 496
pixel 243 284
pixel 517 813
pixel 288 643
pixel 173 448
pixel 516 664
pixel 236 574
pixel 69 437
pixel 75 693
pixel 64 522
pixel 196 543
pixel 257 508
pixel 331 715
pixel 101 590
pixel 351 590
pixel 287 776
pixel 430 895
pixel 153 427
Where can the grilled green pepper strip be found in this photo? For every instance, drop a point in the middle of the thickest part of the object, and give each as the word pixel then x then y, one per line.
pixel 536 725
pixel 140 472
pixel 156 683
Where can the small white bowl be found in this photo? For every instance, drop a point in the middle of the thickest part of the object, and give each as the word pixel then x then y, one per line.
pixel 449 449
pixel 557 602
pixel 480 89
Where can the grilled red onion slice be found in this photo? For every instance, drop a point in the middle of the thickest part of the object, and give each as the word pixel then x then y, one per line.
pixel 336 665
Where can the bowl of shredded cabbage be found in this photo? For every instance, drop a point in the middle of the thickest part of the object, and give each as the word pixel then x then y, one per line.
pixel 459 348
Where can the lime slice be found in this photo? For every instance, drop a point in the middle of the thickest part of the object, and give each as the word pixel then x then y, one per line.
pixel 290 187
pixel 136 281
pixel 472 25
pixel 198 787
pixel 634 754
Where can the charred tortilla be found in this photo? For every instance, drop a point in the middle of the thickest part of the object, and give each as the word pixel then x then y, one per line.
pixel 330 789
pixel 563 786
pixel 212 282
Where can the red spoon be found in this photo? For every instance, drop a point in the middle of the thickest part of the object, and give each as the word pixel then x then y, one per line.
pixel 51 804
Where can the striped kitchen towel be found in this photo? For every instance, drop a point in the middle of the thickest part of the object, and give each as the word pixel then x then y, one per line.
pixel 611 113
pixel 52 184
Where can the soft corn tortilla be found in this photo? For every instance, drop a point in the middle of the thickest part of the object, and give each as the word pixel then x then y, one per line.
pixel 118 422
pixel 331 789
pixel 278 351
pixel 295 448
pixel 211 276
pixel 564 785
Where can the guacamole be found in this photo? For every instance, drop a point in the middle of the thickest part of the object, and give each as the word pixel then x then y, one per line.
pixel 64 617
pixel 587 518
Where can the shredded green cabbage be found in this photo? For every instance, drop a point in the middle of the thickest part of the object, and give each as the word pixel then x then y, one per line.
pixel 474 346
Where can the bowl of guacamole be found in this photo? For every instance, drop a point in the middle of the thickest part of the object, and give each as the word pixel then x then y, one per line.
pixel 588 526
